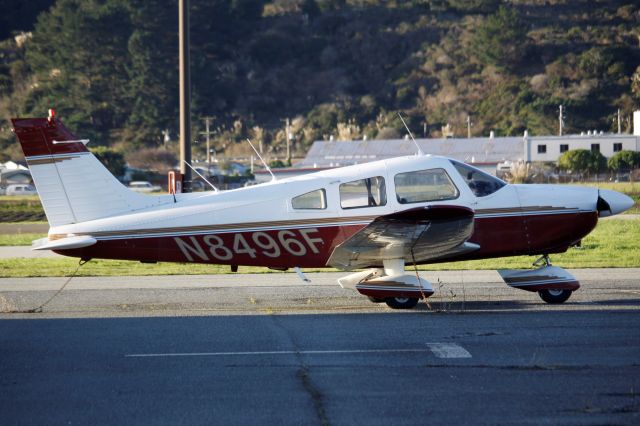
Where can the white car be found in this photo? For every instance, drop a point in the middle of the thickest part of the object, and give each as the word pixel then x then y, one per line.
pixel 143 186
pixel 21 189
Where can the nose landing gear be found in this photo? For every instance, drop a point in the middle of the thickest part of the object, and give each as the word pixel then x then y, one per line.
pixel 553 284
pixel 555 296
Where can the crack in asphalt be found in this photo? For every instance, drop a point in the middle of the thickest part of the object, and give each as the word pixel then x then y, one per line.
pixel 303 373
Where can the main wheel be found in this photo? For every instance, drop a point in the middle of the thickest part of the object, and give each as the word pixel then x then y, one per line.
pixel 555 296
pixel 401 302
pixel 375 299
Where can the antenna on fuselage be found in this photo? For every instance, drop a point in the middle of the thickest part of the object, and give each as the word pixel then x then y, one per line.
pixel 203 178
pixel 410 134
pixel 273 177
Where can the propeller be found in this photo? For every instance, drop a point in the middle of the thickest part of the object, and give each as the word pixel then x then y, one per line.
pixel 612 202
pixel 603 206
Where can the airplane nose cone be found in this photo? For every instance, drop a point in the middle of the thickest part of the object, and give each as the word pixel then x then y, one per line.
pixel 612 202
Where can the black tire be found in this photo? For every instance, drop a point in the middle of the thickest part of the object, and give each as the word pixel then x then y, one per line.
pixel 375 299
pixel 401 302
pixel 555 296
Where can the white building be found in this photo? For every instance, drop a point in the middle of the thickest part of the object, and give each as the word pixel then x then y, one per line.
pixel 550 148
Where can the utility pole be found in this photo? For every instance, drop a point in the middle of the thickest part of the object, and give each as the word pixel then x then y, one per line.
pixel 185 95
pixel 560 121
pixel 207 133
pixel 469 127
pixel 288 137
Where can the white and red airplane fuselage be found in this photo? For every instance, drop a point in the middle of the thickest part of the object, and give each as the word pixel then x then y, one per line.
pixel 303 221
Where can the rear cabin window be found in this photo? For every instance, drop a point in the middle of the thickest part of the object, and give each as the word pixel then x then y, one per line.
pixel 480 183
pixel 424 185
pixel 314 200
pixel 369 192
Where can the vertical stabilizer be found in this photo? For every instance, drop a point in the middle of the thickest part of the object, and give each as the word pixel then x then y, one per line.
pixel 72 184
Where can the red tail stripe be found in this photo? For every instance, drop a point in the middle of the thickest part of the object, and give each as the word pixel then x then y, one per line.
pixel 36 136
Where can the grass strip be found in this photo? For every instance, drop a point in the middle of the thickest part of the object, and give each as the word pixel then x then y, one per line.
pixel 19 239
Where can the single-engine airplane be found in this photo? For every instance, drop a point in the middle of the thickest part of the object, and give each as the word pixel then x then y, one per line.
pixel 378 216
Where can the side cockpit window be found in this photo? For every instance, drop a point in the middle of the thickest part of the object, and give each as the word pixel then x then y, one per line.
pixel 369 192
pixel 424 185
pixel 480 183
pixel 314 200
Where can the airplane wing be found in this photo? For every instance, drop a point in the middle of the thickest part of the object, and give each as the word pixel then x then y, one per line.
pixel 418 235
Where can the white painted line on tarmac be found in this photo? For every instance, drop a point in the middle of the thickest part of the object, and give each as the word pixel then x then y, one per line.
pixel 262 353
pixel 448 350
pixel 440 350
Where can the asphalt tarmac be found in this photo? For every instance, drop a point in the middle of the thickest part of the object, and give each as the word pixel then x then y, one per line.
pixel 267 348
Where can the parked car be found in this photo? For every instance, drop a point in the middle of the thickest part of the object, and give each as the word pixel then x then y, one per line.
pixel 143 186
pixel 21 189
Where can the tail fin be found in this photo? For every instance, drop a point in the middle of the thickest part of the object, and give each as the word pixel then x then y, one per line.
pixel 72 184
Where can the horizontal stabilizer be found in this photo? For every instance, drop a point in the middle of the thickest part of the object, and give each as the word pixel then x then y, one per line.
pixel 63 243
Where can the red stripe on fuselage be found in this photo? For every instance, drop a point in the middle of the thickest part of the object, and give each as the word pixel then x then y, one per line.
pixel 312 247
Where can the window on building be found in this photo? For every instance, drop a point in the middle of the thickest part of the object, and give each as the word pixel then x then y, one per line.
pixel 424 185
pixel 595 147
pixel 480 183
pixel 617 147
pixel 314 200
pixel 369 192
pixel 564 147
pixel 542 149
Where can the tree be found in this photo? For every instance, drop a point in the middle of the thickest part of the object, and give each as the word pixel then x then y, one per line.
pixel 78 54
pixel 582 161
pixel 624 161
pixel 153 73
pixel 474 6
pixel 500 39
pixel 247 9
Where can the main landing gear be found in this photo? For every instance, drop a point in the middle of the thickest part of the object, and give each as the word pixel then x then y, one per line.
pixel 390 284
pixel 553 284
pixel 396 302
pixel 401 302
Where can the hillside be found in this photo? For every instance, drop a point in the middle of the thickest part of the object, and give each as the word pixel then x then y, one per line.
pixel 340 68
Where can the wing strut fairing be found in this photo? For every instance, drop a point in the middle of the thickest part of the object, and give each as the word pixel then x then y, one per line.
pixel 416 235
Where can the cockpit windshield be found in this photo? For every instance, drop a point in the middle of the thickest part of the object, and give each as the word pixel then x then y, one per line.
pixel 480 183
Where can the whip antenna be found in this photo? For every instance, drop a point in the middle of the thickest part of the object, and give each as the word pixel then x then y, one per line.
pixel 410 134
pixel 273 177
